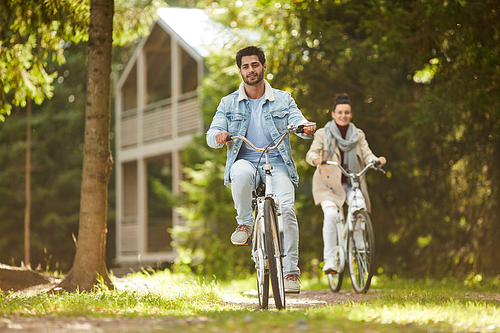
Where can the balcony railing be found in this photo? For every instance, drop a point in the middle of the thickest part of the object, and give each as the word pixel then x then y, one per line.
pixel 159 120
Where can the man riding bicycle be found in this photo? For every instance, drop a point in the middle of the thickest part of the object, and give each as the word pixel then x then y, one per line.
pixel 260 113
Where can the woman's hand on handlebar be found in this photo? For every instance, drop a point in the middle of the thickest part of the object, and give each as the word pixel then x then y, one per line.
pixel 221 137
pixel 382 160
pixel 317 160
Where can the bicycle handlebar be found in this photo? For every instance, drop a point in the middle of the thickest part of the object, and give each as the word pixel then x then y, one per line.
pixel 359 174
pixel 290 129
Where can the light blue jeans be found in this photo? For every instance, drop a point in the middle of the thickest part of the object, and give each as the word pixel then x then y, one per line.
pixel 243 181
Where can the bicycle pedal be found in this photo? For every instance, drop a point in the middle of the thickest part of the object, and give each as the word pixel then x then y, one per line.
pixel 248 242
pixel 331 271
pixel 292 292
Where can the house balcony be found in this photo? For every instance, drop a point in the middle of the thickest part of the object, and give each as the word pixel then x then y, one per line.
pixel 160 122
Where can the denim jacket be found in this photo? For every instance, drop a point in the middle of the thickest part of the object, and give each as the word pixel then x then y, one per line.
pixel 233 114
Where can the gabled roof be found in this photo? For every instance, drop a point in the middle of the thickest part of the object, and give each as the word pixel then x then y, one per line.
pixel 194 27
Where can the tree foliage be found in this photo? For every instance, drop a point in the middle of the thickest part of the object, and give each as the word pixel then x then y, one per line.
pixel 34 32
pixel 423 77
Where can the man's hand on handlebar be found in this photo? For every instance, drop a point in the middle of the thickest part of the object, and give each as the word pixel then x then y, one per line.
pixel 221 137
pixel 309 128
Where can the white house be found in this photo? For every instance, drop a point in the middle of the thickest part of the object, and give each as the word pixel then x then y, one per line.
pixel 157 113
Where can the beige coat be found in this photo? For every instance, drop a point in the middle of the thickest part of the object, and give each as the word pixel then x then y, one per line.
pixel 327 179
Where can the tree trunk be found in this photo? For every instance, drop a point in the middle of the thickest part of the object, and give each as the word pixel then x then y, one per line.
pixel 27 208
pixel 89 264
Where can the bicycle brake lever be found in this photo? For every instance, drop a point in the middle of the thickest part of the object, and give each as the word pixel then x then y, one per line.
pixel 378 168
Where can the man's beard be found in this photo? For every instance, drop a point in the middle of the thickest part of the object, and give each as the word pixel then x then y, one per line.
pixel 255 80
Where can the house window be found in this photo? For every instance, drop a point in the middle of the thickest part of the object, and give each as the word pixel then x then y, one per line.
pixel 158 62
pixel 160 204
pixel 130 191
pixel 128 239
pixel 189 72
pixel 129 90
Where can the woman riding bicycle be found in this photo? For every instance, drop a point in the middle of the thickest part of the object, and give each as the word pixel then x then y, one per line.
pixel 342 142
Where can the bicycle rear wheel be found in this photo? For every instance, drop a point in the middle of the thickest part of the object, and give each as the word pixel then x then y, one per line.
pixel 361 252
pixel 335 281
pixel 273 251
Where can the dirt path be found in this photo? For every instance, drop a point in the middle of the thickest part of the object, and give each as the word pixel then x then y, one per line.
pixel 306 299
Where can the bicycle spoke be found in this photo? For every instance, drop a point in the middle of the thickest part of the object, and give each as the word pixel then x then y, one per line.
pixel 361 269
pixel 362 262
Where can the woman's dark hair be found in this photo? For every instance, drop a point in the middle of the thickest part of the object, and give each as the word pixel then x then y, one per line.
pixel 249 51
pixel 341 99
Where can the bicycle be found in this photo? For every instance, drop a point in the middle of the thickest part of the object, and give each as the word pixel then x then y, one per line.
pixel 267 236
pixel 360 248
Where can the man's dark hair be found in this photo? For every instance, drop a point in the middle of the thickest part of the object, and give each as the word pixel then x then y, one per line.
pixel 249 51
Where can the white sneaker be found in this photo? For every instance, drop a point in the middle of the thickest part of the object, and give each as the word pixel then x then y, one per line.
pixel 241 234
pixel 330 265
pixel 292 284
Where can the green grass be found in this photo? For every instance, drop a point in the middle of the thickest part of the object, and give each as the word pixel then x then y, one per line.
pixel 194 304
pixel 166 294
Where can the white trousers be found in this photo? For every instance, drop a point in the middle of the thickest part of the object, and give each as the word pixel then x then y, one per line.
pixel 331 214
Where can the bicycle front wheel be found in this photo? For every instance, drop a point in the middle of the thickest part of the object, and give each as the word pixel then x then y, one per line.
pixel 273 252
pixel 261 271
pixel 335 278
pixel 361 252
